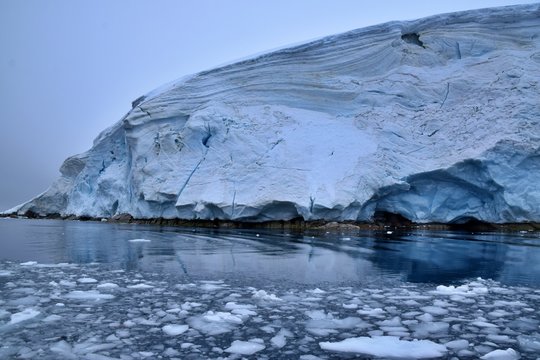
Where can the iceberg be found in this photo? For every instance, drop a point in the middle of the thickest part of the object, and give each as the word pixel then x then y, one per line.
pixel 432 120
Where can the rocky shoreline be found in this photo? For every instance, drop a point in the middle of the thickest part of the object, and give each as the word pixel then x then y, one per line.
pixel 388 223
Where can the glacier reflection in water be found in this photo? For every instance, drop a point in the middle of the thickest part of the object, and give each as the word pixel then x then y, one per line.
pixel 275 256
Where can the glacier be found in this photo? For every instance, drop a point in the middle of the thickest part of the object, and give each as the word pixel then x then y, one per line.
pixel 435 120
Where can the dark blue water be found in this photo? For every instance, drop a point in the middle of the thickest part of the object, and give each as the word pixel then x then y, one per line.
pixel 276 256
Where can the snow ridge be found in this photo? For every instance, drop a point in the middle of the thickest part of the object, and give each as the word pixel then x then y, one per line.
pixel 435 119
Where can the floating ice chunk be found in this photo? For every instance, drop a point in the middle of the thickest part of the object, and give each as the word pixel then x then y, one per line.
pixel 5 273
pixel 457 345
pixel 234 306
pixel 170 352
pixel 67 283
pixel 263 295
pixel 87 280
pixel 174 329
pixel 499 313
pixel 350 306
pixel 24 301
pixel 51 318
pixel 434 310
pixel 529 342
pixel 244 347
pixel 395 321
pixel 139 240
pixel 280 340
pixel 425 317
pixel 316 291
pixel 377 312
pixel 309 357
pixel 500 303
pixel 112 338
pixel 500 338
pixel 4 313
pixel 98 357
pixel 24 315
pixel 427 328
pixel 508 354
pixel 451 290
pixel 107 286
pixel 387 346
pixel 212 287
pixel 244 312
pixel 89 346
pixel 483 324
pixel 140 286
pixel 321 331
pixel 215 323
pixel 29 263
pixel 222 317
pixel 64 349
pixel 317 315
pixel 88 295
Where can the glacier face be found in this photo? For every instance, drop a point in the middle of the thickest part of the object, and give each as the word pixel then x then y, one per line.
pixel 436 120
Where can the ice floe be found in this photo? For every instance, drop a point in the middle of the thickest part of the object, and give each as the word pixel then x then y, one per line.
pixel 134 315
pixel 24 315
pixel 174 329
pixel 388 346
pixel 139 240
pixel 244 347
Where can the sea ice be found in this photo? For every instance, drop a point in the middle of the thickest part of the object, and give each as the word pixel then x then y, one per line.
pixel 508 354
pixel 139 240
pixel 140 286
pixel 244 347
pixel 23 315
pixel 88 295
pixel 457 345
pixel 29 263
pixel 387 346
pixel 87 280
pixel 107 286
pixel 174 329
pixel 434 310
pixel 263 295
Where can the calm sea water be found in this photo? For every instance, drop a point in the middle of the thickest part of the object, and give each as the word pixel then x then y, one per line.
pixel 275 256
pixel 86 290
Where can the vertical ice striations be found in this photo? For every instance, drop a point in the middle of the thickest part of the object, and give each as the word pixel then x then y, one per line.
pixel 435 119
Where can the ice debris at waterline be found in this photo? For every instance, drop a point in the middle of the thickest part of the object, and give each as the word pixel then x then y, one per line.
pixel 126 315
pixel 435 119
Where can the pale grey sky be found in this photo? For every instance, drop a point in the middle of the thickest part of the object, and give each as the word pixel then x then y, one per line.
pixel 70 68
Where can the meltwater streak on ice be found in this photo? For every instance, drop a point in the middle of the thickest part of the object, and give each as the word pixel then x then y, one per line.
pixel 239 255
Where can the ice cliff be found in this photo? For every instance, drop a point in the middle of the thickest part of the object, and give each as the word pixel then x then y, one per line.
pixel 435 119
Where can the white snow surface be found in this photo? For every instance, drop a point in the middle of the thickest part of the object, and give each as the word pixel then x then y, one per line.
pixel 435 119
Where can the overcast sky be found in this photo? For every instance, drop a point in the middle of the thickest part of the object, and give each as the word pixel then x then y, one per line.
pixel 69 69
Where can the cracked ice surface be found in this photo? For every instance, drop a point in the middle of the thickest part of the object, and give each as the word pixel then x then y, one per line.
pixel 46 313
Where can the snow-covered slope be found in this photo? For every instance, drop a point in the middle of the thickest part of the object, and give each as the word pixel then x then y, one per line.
pixel 435 119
